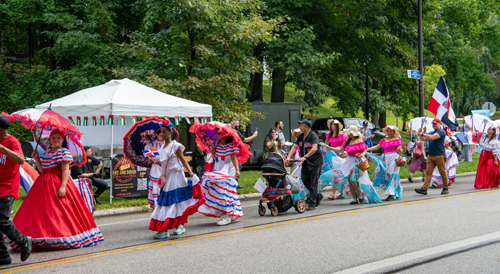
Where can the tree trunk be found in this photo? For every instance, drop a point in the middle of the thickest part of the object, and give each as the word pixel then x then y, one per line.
pixel 278 90
pixel 375 118
pixel 255 87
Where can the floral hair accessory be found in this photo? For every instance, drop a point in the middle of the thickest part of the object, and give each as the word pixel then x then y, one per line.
pixel 170 126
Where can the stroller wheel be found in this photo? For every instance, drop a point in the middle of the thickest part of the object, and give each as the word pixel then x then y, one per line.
pixel 300 205
pixel 274 211
pixel 262 211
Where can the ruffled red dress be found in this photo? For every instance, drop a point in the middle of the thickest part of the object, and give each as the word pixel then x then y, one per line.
pixel 488 175
pixel 51 221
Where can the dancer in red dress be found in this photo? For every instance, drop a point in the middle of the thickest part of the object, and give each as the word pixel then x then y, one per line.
pixel 488 170
pixel 53 213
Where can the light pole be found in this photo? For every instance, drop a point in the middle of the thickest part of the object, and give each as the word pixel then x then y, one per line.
pixel 420 62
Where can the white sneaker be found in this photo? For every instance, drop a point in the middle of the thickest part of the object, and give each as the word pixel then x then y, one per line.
pixel 224 220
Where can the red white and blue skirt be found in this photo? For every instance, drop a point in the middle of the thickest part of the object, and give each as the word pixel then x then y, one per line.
pixel 179 198
pixel 221 196
pixel 55 222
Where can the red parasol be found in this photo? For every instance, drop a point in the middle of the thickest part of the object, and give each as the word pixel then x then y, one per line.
pixel 206 137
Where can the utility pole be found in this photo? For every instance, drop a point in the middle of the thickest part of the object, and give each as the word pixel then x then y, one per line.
pixel 420 63
pixel 367 111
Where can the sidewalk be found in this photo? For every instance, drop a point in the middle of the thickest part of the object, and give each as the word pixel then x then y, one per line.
pixel 250 196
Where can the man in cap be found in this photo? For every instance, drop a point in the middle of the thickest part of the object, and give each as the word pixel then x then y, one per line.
pixel 11 157
pixel 311 160
pixel 436 156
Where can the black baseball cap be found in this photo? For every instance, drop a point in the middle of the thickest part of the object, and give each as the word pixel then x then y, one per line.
pixel 306 122
pixel 4 122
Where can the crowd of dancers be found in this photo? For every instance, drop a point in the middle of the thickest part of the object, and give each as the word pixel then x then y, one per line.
pixel 53 215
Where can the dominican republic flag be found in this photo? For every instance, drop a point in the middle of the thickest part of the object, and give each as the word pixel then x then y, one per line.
pixel 440 105
pixel 28 176
pixel 151 153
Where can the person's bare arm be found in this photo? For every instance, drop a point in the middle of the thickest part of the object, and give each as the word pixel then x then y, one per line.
pixel 375 147
pixel 15 157
pixel 98 168
pixel 250 138
pixel 64 180
pixel 236 167
pixel 291 153
pixel 183 161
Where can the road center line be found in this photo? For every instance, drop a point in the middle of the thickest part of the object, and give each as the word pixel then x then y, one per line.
pixel 424 253
pixel 234 231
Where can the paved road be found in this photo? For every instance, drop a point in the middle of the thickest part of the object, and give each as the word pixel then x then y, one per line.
pixel 432 234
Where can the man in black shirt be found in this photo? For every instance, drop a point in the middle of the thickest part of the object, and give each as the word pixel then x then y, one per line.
pixel 311 160
pixel 91 170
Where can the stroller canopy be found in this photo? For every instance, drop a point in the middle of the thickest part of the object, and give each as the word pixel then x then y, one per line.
pixel 274 163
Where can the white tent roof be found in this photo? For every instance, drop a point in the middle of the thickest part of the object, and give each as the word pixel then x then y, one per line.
pixel 126 97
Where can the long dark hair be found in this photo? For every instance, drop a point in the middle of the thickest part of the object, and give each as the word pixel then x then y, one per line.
pixel 270 138
pixel 494 135
pixel 337 132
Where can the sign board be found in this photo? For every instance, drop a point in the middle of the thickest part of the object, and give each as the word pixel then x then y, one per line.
pixel 483 112
pixel 491 107
pixel 129 180
pixel 413 74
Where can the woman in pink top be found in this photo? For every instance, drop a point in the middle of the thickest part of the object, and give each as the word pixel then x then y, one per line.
pixel 386 174
pixel 332 162
pixel 361 189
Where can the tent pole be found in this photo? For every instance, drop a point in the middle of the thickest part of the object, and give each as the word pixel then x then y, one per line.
pixel 111 166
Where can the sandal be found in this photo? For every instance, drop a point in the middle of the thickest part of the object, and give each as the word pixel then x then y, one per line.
pixel 331 197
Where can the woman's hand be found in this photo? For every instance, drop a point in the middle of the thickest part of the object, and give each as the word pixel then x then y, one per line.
pixel 61 192
pixel 237 175
pixel 191 174
pixel 162 181
pixel 359 155
pixel 496 163
pixel 34 154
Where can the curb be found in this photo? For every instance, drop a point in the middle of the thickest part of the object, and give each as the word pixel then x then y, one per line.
pixel 247 197
pixel 120 210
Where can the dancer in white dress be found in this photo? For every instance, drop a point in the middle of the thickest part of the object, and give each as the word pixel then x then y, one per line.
pixel 179 197
pixel 155 172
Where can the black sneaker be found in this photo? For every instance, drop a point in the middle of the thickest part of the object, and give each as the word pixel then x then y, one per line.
pixel 26 249
pixel 318 199
pixel 5 261
pixel 444 191
pixel 96 201
pixel 423 179
pixel 310 207
pixel 410 179
pixel 421 191
pixel 390 198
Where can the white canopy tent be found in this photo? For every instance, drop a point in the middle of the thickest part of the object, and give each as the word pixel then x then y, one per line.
pixel 121 98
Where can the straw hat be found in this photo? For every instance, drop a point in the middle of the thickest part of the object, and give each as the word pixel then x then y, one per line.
pixel 353 130
pixel 395 129
pixel 339 124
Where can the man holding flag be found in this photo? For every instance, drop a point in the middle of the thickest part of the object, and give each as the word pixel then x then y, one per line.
pixel 440 105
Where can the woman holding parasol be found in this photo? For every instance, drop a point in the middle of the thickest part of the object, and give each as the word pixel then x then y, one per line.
pixel 219 185
pixel 179 197
pixel 53 213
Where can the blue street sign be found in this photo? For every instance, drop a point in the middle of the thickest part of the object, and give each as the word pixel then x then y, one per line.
pixel 414 74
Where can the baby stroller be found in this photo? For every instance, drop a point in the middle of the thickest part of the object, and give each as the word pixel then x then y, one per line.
pixel 281 187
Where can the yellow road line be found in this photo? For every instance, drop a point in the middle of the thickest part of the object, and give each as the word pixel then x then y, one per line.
pixel 229 232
